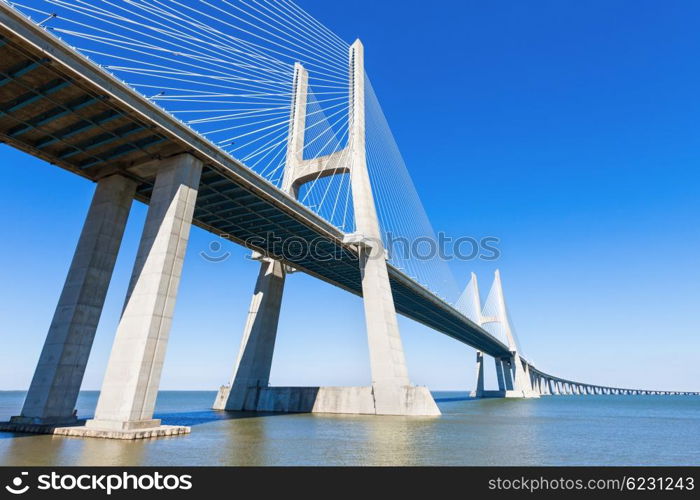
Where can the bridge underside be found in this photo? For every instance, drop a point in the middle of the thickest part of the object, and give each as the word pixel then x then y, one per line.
pixel 58 106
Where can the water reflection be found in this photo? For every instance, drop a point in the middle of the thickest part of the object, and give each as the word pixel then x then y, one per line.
pixel 575 430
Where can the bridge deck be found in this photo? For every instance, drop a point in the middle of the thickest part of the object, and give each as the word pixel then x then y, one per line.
pixel 59 106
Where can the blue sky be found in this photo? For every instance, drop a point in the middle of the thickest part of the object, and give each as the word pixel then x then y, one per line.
pixel 569 130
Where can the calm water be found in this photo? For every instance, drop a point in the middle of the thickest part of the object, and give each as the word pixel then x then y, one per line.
pixel 569 430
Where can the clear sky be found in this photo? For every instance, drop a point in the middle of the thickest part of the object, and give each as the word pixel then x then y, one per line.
pixel 569 130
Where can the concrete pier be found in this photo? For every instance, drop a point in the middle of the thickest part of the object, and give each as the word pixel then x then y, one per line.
pixel 478 391
pixel 388 363
pixel 254 362
pixel 252 370
pixel 499 375
pixel 128 396
pixel 53 392
pixel 391 392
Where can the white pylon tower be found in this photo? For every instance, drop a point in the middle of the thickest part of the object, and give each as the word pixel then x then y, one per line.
pixel 516 376
pixel 392 393
pixel 254 362
pixel 470 305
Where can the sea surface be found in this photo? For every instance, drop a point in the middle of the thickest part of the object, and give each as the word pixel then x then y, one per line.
pixel 553 430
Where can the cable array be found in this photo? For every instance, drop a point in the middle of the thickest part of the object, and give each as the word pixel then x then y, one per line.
pixel 225 68
pixel 409 235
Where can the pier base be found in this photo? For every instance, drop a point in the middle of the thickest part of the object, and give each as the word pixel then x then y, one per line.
pixel 25 426
pixel 414 400
pixel 142 433
pixel 78 428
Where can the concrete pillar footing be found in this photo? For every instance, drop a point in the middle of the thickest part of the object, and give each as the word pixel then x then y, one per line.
pixel 128 434
pixel 91 428
pixel 25 427
pixel 411 400
pixel 46 421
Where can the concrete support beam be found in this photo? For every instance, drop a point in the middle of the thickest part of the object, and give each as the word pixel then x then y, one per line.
pixel 252 370
pixel 499 375
pixel 130 387
pixel 254 362
pixel 387 359
pixel 508 373
pixel 56 383
pixel 478 391
pixel 522 387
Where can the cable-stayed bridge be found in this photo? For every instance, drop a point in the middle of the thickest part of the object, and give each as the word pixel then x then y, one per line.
pixel 253 121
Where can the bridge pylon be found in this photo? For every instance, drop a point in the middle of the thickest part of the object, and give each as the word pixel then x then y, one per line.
pixel 54 389
pixel 521 382
pixel 470 305
pixel 512 372
pixel 391 392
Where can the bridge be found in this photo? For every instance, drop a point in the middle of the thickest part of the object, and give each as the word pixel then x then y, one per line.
pixel 254 188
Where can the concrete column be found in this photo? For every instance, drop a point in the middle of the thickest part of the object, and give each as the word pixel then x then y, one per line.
pixel 254 361
pixel 521 377
pixel 499 375
pixel 478 391
pixel 131 383
pixel 508 373
pixel 252 368
pixel 521 383
pixel 390 380
pixel 54 388
pixel 297 129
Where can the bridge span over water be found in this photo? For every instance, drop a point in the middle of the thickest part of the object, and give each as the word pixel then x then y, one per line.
pixel 59 106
